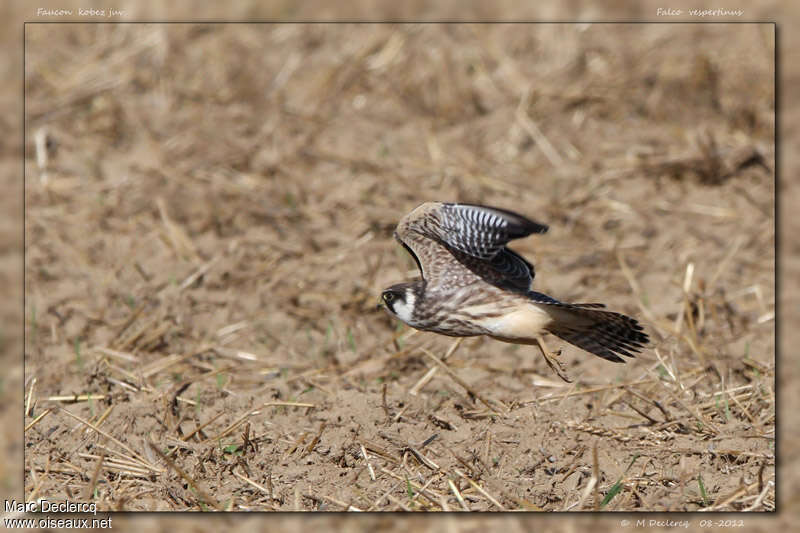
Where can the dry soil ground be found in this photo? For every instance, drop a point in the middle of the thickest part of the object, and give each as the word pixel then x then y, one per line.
pixel 208 224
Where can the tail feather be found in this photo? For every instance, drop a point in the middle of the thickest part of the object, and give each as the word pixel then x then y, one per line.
pixel 604 333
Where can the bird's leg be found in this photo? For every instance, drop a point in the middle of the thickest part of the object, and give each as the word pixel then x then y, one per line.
pixel 550 357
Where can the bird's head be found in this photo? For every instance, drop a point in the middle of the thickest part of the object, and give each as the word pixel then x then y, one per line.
pixel 399 300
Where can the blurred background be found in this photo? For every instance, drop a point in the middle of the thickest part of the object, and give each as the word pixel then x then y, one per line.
pixel 161 142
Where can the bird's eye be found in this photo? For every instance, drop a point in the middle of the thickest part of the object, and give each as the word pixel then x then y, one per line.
pixel 388 297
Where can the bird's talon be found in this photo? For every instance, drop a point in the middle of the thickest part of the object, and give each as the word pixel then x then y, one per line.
pixel 557 366
pixel 552 361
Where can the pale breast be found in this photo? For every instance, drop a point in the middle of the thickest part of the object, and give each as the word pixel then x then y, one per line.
pixel 522 324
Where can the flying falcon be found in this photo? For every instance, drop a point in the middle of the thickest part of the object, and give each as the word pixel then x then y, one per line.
pixel 473 285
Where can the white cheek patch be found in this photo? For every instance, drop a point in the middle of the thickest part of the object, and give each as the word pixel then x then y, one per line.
pixel 404 310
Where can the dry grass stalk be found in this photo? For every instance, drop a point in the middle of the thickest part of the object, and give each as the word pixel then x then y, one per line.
pixel 314 441
pixel 345 506
pixel 536 134
pixel 461 382
pixel 29 399
pixel 432 498
pixel 366 460
pixel 75 398
pixel 760 499
pixel 239 421
pixel 119 464
pixel 181 242
pixel 39 418
pixel 252 483
pixel 481 490
pixel 432 371
pixel 596 476
pixel 205 499
pixel 33 496
pixel 374 448
pixel 458 495
pixel 202 270
pixel 201 427
pixel 89 492
pixel 100 419
pixel 133 455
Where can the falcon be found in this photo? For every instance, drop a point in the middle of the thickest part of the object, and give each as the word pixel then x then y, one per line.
pixel 472 284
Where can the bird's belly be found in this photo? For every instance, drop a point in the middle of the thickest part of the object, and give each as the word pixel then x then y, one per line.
pixel 523 324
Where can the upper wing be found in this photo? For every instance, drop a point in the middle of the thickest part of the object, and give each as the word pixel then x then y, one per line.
pixel 482 232
pixel 475 235
pixel 414 233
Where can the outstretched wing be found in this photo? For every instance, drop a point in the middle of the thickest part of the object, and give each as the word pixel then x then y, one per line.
pixel 482 232
pixel 475 236
pixel 604 333
pixel 414 234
